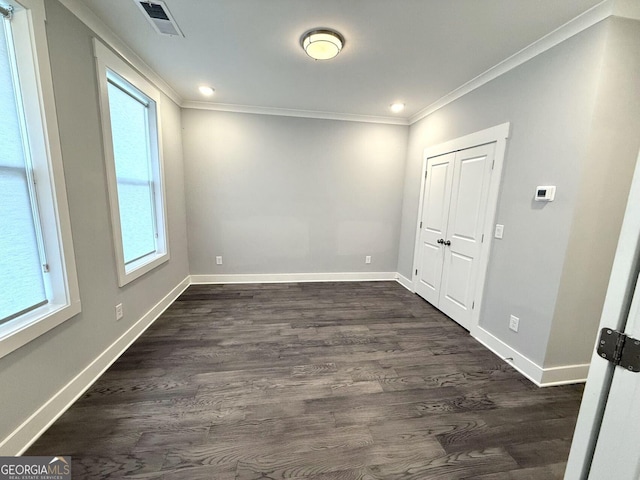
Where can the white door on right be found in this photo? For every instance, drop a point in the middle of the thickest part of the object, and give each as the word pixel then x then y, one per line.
pixel 617 453
pixel 454 208
pixel 472 172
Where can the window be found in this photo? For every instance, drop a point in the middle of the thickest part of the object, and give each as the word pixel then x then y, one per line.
pixel 130 115
pixel 20 241
pixel 38 284
pixel 130 123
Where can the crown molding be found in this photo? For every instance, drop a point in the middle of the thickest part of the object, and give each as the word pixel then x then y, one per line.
pixel 91 20
pixel 289 112
pixel 583 21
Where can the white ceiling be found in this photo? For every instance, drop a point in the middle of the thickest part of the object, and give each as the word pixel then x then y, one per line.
pixel 414 51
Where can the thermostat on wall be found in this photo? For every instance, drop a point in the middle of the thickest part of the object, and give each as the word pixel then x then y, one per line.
pixel 545 193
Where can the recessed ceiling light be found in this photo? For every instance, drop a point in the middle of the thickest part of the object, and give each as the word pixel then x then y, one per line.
pixel 396 107
pixel 322 44
pixel 206 91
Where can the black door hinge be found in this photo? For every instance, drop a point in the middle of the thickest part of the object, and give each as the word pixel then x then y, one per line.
pixel 619 349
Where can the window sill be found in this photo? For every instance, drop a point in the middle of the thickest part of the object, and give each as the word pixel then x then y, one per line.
pixel 129 273
pixel 24 329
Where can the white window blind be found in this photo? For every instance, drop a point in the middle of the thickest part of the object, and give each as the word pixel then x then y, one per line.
pixel 129 110
pixel 22 284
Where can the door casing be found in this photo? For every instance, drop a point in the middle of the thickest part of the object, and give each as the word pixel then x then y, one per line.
pixel 498 135
pixel 617 304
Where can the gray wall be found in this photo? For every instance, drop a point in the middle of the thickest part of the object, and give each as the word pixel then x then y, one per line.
pixel 609 164
pixel 278 194
pixel 33 373
pixel 549 101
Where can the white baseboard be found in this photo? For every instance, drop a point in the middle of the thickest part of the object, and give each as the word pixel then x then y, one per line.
pixel 566 374
pixel 542 377
pixel 405 282
pixel 527 367
pixel 34 426
pixel 293 277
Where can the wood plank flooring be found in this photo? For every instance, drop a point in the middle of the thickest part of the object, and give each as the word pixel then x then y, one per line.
pixel 317 381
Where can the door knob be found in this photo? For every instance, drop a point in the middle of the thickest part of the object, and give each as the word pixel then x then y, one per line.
pixel 447 243
pixel 440 240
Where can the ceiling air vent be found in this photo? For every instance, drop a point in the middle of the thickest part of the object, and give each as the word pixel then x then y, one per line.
pixel 160 18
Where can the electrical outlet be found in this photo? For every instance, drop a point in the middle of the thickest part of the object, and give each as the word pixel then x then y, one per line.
pixel 514 323
pixel 119 311
pixel 219 260
pixel 367 259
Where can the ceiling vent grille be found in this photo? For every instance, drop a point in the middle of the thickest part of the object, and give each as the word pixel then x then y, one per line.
pixel 158 15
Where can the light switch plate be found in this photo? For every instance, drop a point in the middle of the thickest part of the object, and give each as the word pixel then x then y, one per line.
pixel 514 323
pixel 119 311
pixel 499 231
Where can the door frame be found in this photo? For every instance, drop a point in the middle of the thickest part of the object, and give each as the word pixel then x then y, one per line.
pixel 617 303
pixel 498 135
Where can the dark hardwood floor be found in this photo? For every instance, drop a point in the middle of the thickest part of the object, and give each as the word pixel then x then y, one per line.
pixel 315 381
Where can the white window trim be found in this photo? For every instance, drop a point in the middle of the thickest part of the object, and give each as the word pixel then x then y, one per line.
pixel 107 60
pixel 32 52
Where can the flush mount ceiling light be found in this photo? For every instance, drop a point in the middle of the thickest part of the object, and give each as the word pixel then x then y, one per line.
pixel 322 44
pixel 206 91
pixel 396 107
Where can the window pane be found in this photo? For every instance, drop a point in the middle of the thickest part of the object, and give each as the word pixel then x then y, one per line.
pixel 129 127
pixel 21 282
pixel 136 219
pixel 12 153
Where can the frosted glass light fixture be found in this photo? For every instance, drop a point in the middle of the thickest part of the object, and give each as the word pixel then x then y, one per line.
pixel 396 107
pixel 322 44
pixel 206 90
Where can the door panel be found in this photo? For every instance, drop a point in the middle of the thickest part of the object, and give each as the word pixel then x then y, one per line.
pixel 435 214
pixel 431 270
pixel 467 206
pixel 436 203
pixel 458 280
pixel 469 192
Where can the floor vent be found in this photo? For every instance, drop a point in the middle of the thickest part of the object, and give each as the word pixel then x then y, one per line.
pixel 157 13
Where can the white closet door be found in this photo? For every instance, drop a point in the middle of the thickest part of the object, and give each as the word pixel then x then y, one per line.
pixel 463 241
pixel 435 214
